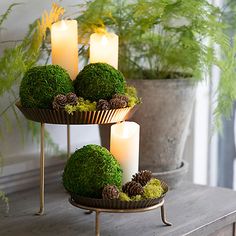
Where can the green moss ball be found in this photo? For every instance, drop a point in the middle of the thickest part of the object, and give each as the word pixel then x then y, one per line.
pixel 89 169
pixel 99 81
pixel 41 84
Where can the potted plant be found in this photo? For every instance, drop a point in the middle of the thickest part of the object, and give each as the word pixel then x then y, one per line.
pixel 165 47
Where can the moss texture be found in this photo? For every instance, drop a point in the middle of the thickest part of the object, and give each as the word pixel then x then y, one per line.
pixel 82 105
pixel 41 84
pixel 124 197
pixel 153 189
pixel 99 81
pixel 89 169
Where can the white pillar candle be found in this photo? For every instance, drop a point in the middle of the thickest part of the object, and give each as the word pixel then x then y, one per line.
pixel 104 48
pixel 125 147
pixel 64 41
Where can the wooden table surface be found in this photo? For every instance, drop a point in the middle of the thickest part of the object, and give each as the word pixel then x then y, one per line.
pixel 193 210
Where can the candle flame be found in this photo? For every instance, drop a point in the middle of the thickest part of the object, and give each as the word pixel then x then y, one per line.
pixel 63 25
pixel 124 130
pixel 104 40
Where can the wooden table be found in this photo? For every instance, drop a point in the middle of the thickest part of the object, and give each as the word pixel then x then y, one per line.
pixel 193 210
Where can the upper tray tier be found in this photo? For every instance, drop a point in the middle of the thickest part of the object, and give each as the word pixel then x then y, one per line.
pixel 88 117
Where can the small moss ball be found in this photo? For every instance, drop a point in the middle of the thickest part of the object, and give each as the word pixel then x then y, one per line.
pixel 99 81
pixel 41 84
pixel 89 169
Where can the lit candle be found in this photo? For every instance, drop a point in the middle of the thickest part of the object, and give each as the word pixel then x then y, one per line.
pixel 64 41
pixel 125 147
pixel 104 48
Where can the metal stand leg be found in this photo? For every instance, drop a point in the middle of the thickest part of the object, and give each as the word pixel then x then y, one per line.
pixel 41 210
pixel 163 216
pixel 68 141
pixel 97 224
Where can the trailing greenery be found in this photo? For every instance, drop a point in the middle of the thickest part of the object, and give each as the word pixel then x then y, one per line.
pixel 41 84
pixel 89 169
pixel 82 105
pixel 166 39
pixel 14 62
pixel 99 81
pixel 20 57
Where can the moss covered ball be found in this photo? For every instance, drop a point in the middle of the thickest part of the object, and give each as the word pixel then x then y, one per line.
pixel 89 169
pixel 99 81
pixel 41 84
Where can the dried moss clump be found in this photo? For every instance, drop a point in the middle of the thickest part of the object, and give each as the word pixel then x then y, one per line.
pixel 41 84
pixel 124 197
pixel 89 169
pixel 99 81
pixel 153 189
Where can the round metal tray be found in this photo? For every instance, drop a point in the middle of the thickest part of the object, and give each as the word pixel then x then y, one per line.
pixel 118 204
pixel 88 117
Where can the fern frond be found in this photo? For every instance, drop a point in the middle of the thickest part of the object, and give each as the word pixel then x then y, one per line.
pixel 17 60
pixel 4 16
pixel 159 38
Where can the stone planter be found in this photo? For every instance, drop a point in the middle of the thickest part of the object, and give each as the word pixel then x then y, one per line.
pixel 164 118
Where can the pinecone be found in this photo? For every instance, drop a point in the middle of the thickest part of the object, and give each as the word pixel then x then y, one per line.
pixel 110 192
pixel 59 102
pixel 122 97
pixel 142 177
pixel 72 99
pixel 132 188
pixel 117 103
pixel 103 105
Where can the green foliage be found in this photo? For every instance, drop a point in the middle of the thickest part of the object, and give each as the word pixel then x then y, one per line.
pixel 4 16
pixel 82 105
pixel 89 169
pixel 165 39
pixel 99 81
pixel 131 93
pixel 41 84
pixel 5 199
pixel 14 62
pixel 20 57
pixel 152 189
pixel 229 16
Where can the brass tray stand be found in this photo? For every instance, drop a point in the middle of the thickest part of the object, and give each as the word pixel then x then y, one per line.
pixel 99 210
pixel 45 116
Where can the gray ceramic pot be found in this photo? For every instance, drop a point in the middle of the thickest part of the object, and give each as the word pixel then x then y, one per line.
pixel 164 118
